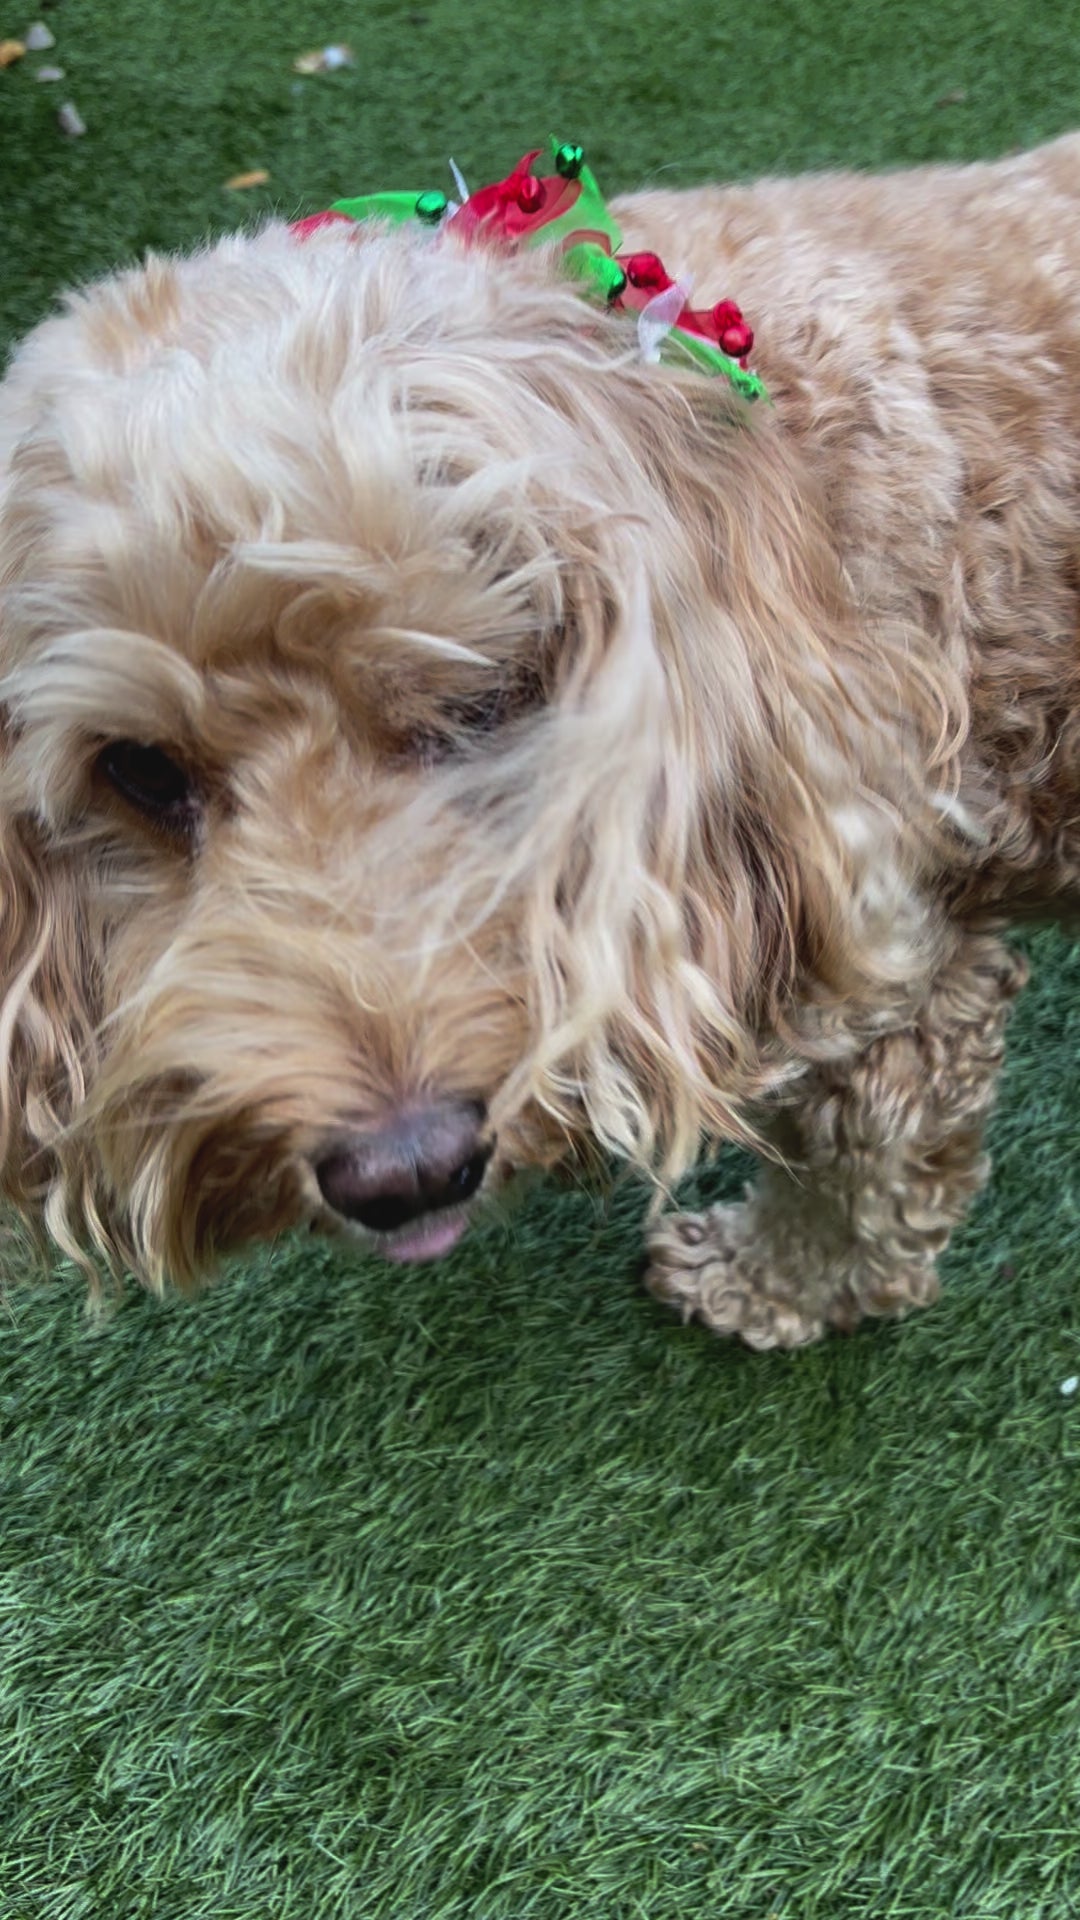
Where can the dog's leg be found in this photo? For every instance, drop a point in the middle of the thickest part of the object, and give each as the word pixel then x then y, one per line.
pixel 881 1159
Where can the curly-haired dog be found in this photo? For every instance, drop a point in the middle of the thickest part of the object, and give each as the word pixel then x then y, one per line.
pixel 435 740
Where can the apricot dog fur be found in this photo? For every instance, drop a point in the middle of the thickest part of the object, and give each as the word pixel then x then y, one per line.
pixel 437 742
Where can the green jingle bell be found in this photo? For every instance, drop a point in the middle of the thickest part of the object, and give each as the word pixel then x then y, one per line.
pixel 430 208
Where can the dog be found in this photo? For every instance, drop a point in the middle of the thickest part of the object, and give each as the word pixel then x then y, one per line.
pixel 439 740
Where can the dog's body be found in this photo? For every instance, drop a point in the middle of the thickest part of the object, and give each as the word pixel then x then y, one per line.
pixel 437 741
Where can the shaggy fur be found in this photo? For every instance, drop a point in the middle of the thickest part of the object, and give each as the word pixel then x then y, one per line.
pixel 553 732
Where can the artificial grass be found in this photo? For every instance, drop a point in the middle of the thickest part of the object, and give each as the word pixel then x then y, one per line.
pixel 485 1591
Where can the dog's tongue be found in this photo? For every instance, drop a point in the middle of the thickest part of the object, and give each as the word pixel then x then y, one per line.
pixel 433 1238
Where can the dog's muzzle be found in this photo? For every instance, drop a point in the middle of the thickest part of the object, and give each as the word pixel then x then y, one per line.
pixel 415 1173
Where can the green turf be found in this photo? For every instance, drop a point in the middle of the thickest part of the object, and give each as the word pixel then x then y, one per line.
pixel 487 1592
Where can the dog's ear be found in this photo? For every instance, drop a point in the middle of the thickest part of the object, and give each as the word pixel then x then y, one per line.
pixel 770 836
pixel 46 1016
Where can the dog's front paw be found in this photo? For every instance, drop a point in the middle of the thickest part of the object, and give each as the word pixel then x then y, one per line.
pixel 704 1265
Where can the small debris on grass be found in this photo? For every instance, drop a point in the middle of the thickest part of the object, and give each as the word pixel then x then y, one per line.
pixel 10 51
pixel 49 73
pixel 70 120
pixel 1069 1386
pixel 325 59
pixel 954 98
pixel 240 182
pixel 38 38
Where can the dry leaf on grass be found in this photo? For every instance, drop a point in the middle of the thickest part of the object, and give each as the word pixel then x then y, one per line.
pixel 325 59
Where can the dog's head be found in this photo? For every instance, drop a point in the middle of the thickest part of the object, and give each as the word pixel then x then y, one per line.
pixel 432 739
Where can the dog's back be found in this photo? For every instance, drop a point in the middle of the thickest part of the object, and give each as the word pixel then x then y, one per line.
pixel 919 333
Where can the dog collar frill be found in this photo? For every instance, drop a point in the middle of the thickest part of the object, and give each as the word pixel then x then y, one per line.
pixel 565 208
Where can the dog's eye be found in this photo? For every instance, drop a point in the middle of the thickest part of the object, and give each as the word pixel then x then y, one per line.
pixel 472 719
pixel 152 782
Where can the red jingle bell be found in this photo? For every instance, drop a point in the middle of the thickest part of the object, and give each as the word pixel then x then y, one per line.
pixel 734 336
pixel 737 340
pixel 647 270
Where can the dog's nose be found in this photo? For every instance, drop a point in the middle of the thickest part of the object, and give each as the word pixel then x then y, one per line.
pixel 424 1160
